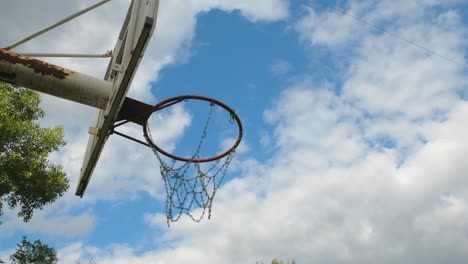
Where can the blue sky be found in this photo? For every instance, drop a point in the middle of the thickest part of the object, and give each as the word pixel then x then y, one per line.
pixel 355 140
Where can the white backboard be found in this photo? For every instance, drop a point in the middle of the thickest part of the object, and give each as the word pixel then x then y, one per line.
pixel 135 35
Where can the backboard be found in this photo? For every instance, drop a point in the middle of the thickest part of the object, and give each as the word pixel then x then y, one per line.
pixel 134 36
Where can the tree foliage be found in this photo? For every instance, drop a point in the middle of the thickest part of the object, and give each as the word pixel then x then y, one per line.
pixel 37 253
pixel 276 261
pixel 27 179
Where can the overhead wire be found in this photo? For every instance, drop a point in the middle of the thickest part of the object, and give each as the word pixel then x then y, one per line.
pixel 398 37
pixel 59 23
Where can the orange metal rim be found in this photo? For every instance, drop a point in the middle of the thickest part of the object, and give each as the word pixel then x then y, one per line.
pixel 174 100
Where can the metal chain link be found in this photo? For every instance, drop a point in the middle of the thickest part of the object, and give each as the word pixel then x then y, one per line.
pixel 186 192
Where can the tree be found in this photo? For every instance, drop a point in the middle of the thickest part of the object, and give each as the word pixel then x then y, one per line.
pixel 37 253
pixel 27 179
pixel 275 261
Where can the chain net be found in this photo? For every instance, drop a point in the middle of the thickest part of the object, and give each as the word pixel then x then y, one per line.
pixel 191 185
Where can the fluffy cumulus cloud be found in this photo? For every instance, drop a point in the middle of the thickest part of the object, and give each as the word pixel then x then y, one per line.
pixel 330 197
pixel 61 224
pixel 368 169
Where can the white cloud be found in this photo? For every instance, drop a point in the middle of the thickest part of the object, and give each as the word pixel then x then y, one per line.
pixel 78 253
pixel 5 255
pixel 339 26
pixel 330 28
pixel 50 222
pixel 394 78
pixel 70 254
pixel 229 142
pixel 280 67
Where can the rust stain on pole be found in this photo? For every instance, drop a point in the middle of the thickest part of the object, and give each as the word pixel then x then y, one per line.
pixel 38 66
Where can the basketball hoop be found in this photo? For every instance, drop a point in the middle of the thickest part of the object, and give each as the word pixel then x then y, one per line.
pixel 174 100
pixel 191 182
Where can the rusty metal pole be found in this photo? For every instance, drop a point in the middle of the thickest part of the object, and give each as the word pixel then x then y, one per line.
pixel 54 80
